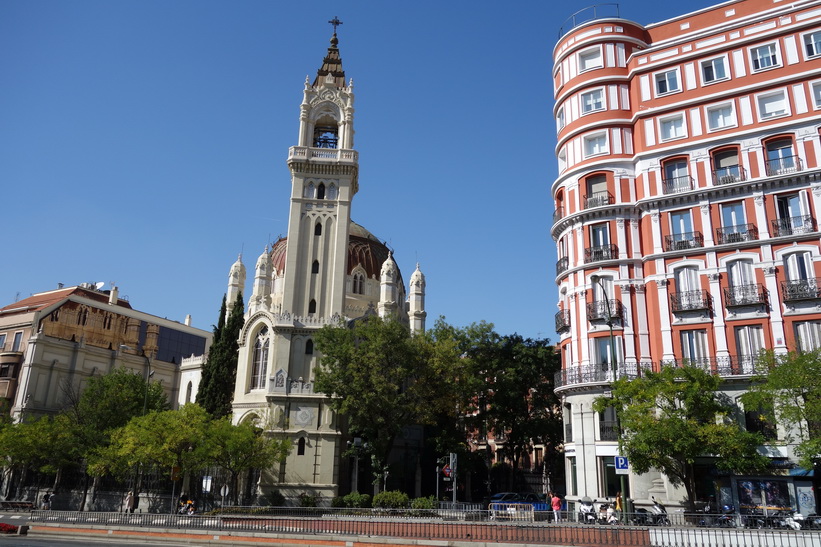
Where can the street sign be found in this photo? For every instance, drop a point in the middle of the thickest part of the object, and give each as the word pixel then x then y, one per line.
pixel 446 471
pixel 224 490
pixel 622 465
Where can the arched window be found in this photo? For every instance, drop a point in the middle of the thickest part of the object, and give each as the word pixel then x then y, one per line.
pixel 727 168
pixel 318 229
pixel 82 317
pixel 315 267
pixel 597 194
pixel 188 392
pixel 309 347
pixel 312 306
pixel 332 192
pixel 358 283
pixel 320 191
pixel 260 365
pixel 676 178
pixel 300 451
pixel 309 190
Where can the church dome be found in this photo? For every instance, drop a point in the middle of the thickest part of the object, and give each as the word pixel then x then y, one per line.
pixel 364 249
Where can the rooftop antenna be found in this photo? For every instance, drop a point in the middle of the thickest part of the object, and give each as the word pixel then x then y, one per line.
pixel 99 285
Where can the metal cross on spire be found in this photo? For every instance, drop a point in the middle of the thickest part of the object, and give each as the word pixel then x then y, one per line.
pixel 335 22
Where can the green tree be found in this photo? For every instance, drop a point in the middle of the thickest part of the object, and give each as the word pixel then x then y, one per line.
pixel 381 378
pixel 671 418
pixel 789 387
pixel 239 448
pixel 216 389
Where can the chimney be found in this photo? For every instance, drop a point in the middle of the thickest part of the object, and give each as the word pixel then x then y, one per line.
pixel 112 295
pixel 188 320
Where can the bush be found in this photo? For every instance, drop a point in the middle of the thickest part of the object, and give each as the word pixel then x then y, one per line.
pixel 391 499
pixel 7 528
pixel 309 500
pixel 355 499
pixel 425 503
pixel 338 501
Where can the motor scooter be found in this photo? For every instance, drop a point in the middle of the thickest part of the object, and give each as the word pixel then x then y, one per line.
pixel 812 522
pixel 658 513
pixel 587 511
pixel 727 517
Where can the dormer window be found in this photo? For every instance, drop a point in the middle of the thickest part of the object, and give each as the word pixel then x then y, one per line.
pixel 326 137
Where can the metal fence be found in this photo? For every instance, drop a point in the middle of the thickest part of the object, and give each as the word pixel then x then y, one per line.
pixel 447 524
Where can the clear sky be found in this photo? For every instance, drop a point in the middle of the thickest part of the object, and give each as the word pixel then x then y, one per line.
pixel 144 142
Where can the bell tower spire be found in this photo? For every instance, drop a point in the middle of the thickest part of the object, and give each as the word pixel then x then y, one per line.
pixel 324 178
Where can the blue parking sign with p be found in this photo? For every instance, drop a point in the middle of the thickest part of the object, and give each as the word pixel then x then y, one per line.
pixel 622 465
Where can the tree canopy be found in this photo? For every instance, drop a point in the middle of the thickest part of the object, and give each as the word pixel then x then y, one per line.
pixel 671 418
pixel 789 387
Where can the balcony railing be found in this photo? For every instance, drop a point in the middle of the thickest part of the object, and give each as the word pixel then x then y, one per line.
pixel 745 295
pixel 558 214
pixel 598 310
pixel 802 224
pixel 783 166
pixel 598 373
pixel 743 365
pixel 608 430
pixel 801 289
pixel 736 234
pixel 597 199
pixel 729 174
pixel 323 154
pixel 682 242
pixel 602 252
pixel 562 320
pixel 689 301
pixel 677 185
pixel 562 265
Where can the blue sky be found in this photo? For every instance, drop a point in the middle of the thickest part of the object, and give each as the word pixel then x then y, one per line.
pixel 144 143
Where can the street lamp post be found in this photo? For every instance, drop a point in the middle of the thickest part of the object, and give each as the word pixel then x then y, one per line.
pixel 615 366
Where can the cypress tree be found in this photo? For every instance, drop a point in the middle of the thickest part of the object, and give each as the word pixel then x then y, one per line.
pixel 219 374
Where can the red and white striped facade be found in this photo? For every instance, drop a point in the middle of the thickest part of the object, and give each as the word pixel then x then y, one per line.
pixel 690 184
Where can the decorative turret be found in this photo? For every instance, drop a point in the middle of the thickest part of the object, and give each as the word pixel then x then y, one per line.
pixel 261 295
pixel 416 301
pixel 236 284
pixel 387 287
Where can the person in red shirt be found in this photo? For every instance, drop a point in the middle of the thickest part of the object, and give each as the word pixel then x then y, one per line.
pixel 556 504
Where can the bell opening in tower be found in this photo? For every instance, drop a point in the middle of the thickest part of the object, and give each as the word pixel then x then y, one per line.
pixel 326 137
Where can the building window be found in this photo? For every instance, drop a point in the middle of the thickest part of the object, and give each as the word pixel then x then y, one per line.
pixel 315 267
pixel 812 44
pixel 609 480
pixel 312 306
pixel 318 229
pixel 667 82
pixel 749 343
pixel 560 120
pixel 807 335
pixel 602 355
pixel 720 116
pixel 672 127
pixel 780 157
pixel 259 369
pixel 714 70
pixel 188 391
pixel 726 169
pixel 597 194
pixel 742 289
pixel 733 223
pixel 320 191
pixel 681 229
pixel 358 283
pixel 590 59
pixel 300 450
pixel 764 57
pixel 816 94
pixel 309 347
pixel 694 349
pixel 17 341
pixel 595 145
pixel 562 159
pixel 772 105
pixel 798 266
pixel 574 482
pixel 675 178
pixel 592 101
pixel 6 370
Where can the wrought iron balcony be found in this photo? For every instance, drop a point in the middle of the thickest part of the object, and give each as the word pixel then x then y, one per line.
pixel 602 252
pixel 677 185
pixel 689 301
pixel 597 199
pixel 562 320
pixel 558 214
pixel 562 265
pixel 745 295
pixel 599 310
pixel 608 430
pixel 592 374
pixel 801 289
pixel 736 234
pixel 743 365
pixel 682 242
pixel 729 174
pixel 802 224
pixel 783 166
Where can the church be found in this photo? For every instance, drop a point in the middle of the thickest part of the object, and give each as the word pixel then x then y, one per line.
pixel 328 269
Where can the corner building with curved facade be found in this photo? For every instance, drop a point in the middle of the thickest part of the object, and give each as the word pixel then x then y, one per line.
pixel 328 269
pixel 686 218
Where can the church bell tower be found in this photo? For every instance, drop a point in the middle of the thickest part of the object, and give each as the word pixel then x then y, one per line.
pixel 324 178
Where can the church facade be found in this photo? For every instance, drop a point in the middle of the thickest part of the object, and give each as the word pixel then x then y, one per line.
pixel 328 269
